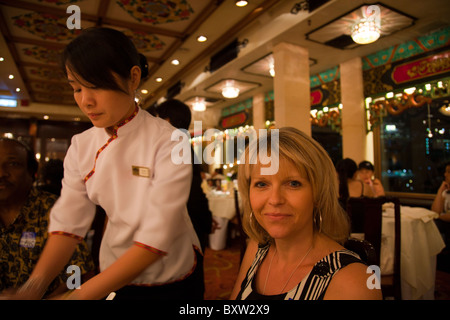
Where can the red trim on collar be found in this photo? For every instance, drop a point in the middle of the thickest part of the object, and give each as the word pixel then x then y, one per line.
pixel 112 138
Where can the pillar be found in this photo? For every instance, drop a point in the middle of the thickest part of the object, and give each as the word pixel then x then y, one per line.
pixel 259 121
pixel 291 87
pixel 353 121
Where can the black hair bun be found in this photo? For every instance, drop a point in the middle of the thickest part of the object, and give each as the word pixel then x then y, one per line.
pixel 143 64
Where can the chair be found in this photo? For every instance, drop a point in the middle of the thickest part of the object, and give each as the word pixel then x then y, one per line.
pixel 365 215
pixel 363 248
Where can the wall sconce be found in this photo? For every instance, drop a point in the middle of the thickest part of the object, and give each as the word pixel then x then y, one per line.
pixel 445 109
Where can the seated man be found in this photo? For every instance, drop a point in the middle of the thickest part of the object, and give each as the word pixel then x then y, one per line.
pixel 24 217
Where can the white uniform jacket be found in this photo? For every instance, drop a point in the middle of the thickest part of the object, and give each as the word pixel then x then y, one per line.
pixel 132 177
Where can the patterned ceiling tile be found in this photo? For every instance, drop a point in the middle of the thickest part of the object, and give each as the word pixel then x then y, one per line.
pixel 54 98
pixel 157 11
pixel 143 41
pixel 40 86
pixel 44 55
pixel 45 25
pixel 53 74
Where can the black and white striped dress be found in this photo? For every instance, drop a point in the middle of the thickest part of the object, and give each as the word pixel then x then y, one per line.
pixel 312 287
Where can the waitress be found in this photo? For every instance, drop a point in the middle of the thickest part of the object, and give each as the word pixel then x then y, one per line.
pixel 123 164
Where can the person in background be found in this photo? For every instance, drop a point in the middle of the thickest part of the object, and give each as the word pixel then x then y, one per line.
pixel 296 226
pixel 205 186
pixel 441 202
pixel 124 165
pixel 366 173
pixel 349 186
pixel 52 174
pixel 179 115
pixel 24 218
pixel 441 205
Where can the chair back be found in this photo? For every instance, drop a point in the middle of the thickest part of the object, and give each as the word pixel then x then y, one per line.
pixel 366 217
pixel 363 248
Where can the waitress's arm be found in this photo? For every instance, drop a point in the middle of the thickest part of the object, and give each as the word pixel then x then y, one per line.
pixel 130 265
pixel 56 254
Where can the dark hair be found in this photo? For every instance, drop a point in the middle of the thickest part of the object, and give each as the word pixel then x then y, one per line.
pixel 178 113
pixel 32 164
pixel 366 165
pixel 99 53
pixel 345 169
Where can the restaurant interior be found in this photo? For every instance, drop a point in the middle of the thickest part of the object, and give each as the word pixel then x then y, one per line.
pixel 367 80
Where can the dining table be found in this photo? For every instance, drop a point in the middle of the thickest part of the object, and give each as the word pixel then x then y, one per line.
pixel 222 206
pixel 420 241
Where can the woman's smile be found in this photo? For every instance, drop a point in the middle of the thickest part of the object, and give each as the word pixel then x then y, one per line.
pixel 273 216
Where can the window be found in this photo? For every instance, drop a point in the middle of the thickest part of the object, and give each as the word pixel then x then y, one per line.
pixel 414 147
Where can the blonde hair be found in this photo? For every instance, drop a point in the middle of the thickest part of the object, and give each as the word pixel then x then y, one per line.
pixel 310 159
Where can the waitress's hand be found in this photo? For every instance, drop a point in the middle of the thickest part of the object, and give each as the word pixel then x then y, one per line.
pixel 30 290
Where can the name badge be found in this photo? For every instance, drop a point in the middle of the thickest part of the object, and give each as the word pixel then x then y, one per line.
pixel 28 240
pixel 141 171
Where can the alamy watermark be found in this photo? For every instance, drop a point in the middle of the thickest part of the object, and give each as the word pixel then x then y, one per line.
pixel 259 151
pixel 373 282
pixel 74 21
pixel 74 280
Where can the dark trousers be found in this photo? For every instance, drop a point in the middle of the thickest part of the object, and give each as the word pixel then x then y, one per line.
pixel 191 288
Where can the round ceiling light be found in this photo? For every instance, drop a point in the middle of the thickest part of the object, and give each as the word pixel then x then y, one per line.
pixel 230 91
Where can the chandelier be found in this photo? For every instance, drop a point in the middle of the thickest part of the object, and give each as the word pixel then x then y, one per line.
pixel 199 104
pixel 367 30
pixel 229 90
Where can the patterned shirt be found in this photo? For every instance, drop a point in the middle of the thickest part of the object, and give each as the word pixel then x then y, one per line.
pixel 22 242
pixel 312 287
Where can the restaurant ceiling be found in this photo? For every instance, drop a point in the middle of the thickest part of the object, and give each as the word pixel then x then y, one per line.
pixel 34 32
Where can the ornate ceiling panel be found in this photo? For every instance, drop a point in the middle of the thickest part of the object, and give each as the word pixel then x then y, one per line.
pixel 36 32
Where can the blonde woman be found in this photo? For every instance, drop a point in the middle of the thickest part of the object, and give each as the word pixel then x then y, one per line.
pixel 296 227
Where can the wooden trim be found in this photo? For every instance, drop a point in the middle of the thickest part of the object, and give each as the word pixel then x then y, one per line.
pixel 407 195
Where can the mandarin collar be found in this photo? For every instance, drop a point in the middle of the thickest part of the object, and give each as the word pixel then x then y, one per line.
pixel 126 125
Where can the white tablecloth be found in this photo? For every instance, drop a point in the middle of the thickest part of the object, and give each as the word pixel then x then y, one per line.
pixel 221 204
pixel 223 209
pixel 420 243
